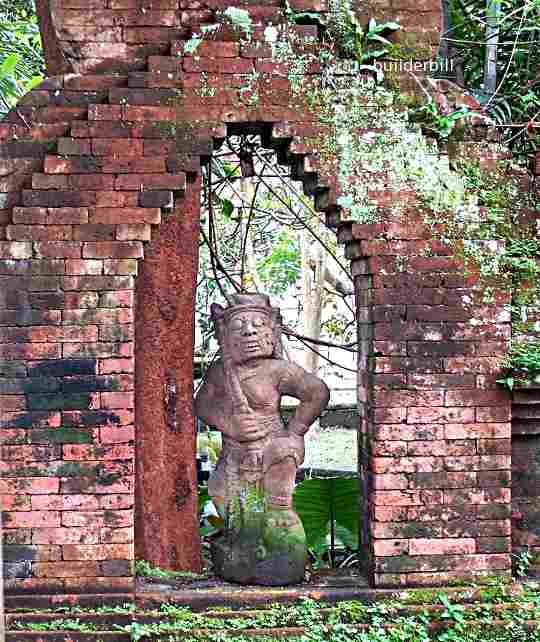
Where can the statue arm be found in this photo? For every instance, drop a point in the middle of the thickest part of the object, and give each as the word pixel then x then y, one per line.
pixel 312 392
pixel 211 399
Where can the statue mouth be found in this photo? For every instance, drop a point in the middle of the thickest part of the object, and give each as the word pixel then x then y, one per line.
pixel 251 346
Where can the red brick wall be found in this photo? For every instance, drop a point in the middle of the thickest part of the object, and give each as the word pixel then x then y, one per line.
pixel 436 431
pixel 101 35
pixel 92 166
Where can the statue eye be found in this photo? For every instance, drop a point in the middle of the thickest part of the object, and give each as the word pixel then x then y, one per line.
pixel 258 322
pixel 236 325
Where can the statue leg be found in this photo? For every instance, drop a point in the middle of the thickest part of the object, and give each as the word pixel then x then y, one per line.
pixel 279 483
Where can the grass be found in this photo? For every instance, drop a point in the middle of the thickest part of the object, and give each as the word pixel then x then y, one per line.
pixel 331 449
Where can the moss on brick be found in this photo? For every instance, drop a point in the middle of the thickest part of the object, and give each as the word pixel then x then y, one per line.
pixel 61 436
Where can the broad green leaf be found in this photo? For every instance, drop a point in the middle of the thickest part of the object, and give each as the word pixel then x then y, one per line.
pixel 318 501
pixel 8 65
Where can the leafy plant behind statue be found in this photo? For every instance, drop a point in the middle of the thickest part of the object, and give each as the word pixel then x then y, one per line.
pixel 329 509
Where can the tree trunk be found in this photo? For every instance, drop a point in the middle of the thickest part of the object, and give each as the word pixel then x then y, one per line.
pixel 55 59
pixel 312 294
pixel 492 40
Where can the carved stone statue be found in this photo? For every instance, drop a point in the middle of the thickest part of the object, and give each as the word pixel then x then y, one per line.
pixel 252 485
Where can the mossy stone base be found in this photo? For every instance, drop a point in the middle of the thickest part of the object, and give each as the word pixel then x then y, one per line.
pixel 262 551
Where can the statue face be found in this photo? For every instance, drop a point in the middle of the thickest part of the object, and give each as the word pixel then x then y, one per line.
pixel 251 336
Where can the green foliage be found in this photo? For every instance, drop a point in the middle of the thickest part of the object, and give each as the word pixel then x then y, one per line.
pixel 354 40
pixel 281 268
pixel 523 364
pixel 436 124
pixel 21 56
pixel 68 624
pixel 501 616
pixel 329 506
pixel 239 19
pixel 517 99
pixel 522 563
pixel 145 569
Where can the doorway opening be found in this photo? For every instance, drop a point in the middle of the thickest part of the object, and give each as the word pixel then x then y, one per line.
pixel 261 233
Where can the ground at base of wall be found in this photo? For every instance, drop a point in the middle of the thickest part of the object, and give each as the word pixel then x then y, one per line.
pixel 496 612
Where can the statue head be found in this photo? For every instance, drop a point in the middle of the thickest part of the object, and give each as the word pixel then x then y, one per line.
pixel 248 328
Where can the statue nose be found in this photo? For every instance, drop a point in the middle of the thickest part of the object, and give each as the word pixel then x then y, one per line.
pixel 248 328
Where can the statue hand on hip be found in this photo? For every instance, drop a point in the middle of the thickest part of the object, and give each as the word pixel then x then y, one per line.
pixel 247 427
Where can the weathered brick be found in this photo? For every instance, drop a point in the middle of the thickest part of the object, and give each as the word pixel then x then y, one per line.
pixel 88 535
pixel 49 181
pixel 65 569
pixel 493 414
pixel 116 299
pixel 114 435
pixel 91 181
pixel 135 35
pixel 64 502
pixel 15 250
pixel 91 383
pixel 440 415
pixel 121 266
pixel 58 198
pixel 30 486
pixel 133 215
pixel 105 112
pixel 406 432
pixel 116 147
pixel 138 232
pixel 142 182
pixel 63 401
pixel 430 546
pixel 73 146
pixel 440 448
pixel 112 400
pixel 76 300
pixel 444 563
pixel 94 232
pixel 58 249
pixel 477 496
pixel 443 480
pixel 125 332
pixel 99 350
pixel 67 215
pixel 113 250
pixel 110 366
pixel 97 518
pixel 156 198
pixel 117 199
pixel 93 418
pixel 406 497
pixel 61 368
pixel 29 420
pixel 83 267
pixel 31 519
pixel 477 430
pixel 103 317
pixel 389 547
pixel 97 552
pixel 493 545
pixel 39 232
pixel 218 65
pixel 406 464
pixel 30 350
